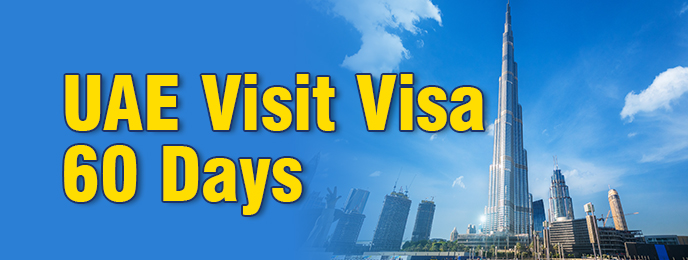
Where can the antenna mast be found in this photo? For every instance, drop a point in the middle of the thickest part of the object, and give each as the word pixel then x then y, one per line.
pixel 407 187
pixel 395 182
pixel 556 163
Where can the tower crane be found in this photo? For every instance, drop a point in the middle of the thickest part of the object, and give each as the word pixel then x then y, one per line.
pixel 604 219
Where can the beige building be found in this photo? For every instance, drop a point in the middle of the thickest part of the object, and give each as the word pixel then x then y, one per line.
pixel 617 211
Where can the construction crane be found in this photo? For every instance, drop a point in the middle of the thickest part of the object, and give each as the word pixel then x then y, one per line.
pixel 407 187
pixel 604 219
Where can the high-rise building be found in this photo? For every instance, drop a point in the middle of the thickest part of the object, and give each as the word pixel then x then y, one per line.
pixel 424 216
pixel 560 203
pixel 389 232
pixel 454 235
pixel 538 215
pixel 508 208
pixel 357 201
pixel 345 236
pixel 617 210
pixel 530 214
pixel 470 229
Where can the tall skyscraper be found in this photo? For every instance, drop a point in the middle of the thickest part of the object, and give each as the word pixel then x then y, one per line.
pixel 617 211
pixel 390 227
pixel 423 226
pixel 538 215
pixel 345 236
pixel 357 201
pixel 508 208
pixel 560 203
pixel 343 240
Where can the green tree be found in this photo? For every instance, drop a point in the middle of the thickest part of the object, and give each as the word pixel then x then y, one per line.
pixel 518 248
pixel 531 247
pixel 453 246
pixel 435 247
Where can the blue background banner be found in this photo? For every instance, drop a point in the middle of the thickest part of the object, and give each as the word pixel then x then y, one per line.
pixel 602 87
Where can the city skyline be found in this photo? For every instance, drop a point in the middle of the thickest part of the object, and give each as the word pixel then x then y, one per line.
pixel 568 115
pixel 603 86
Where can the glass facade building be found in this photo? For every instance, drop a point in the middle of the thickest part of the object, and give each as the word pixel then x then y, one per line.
pixel 424 217
pixel 357 201
pixel 345 236
pixel 538 215
pixel 389 232
pixel 508 209
pixel 560 203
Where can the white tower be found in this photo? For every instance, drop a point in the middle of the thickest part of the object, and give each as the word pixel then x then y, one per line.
pixel 508 208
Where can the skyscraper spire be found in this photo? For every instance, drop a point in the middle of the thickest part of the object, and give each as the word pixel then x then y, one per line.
pixel 556 163
pixel 509 203
pixel 507 24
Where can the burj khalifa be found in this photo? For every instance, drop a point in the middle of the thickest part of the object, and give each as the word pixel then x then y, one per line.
pixel 508 210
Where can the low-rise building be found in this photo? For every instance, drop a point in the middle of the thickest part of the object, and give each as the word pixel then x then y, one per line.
pixel 612 240
pixel 662 239
pixel 572 236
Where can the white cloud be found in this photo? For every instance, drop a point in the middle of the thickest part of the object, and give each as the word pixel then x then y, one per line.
pixel 632 134
pixel 670 142
pixel 433 137
pixel 375 174
pixel 587 178
pixel 665 89
pixel 669 152
pixel 382 51
pixel 459 182
pixel 490 129
pixel 583 176
pixel 683 9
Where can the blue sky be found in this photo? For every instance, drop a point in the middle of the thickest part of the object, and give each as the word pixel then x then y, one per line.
pixel 580 66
